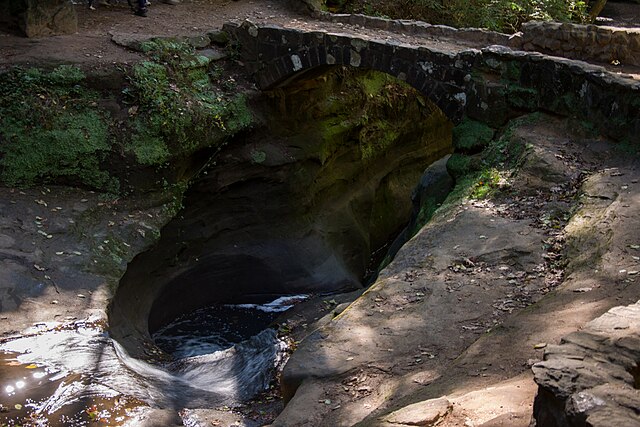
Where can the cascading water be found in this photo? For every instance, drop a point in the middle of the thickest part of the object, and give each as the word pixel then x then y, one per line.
pixel 224 355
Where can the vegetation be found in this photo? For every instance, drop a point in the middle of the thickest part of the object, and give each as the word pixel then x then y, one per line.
pixel 53 129
pixel 481 175
pixel 50 130
pixel 500 15
pixel 376 114
pixel 177 110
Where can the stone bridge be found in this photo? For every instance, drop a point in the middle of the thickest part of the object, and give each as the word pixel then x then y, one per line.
pixel 466 73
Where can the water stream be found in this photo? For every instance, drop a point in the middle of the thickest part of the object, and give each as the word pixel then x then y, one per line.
pixel 224 355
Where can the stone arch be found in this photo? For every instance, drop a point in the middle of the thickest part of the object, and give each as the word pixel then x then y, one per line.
pixel 277 55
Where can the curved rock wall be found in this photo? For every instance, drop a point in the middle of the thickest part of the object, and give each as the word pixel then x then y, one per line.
pixel 298 206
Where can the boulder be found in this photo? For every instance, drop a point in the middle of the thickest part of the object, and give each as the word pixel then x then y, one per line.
pixel 48 18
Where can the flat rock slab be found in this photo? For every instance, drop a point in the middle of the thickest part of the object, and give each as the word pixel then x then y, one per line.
pixel 426 413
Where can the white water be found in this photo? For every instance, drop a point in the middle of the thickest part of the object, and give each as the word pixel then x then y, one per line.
pixel 215 364
pixel 94 365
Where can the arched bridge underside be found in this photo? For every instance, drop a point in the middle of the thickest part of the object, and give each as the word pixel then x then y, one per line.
pixel 491 84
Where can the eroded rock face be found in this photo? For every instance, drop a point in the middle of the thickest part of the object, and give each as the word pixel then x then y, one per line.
pixel 297 207
pixel 592 377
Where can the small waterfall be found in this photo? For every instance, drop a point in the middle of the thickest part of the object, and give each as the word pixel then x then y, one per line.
pixel 84 362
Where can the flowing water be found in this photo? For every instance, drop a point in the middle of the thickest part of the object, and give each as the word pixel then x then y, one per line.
pixel 224 355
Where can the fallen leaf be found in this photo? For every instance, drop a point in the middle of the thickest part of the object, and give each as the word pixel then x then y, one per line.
pixel 540 345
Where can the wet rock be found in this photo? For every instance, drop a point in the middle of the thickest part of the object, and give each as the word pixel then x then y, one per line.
pixel 426 413
pixel 592 377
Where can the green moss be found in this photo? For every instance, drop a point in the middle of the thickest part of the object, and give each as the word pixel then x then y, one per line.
pixel 522 97
pixel 486 173
pixel 486 184
pixel 334 132
pixel 471 136
pixel 258 156
pixel 180 111
pixel 428 208
pixel 512 71
pixel 52 131
pixel 376 138
pixel 460 165
pixel 149 149
pixel 373 84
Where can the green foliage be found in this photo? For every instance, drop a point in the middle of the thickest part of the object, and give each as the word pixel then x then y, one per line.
pixel 179 111
pixel 481 176
pixel 500 15
pixel 471 136
pixel 50 130
pixel 487 183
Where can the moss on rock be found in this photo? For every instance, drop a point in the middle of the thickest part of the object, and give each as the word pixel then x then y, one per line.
pixel 58 126
pixel 471 136
pixel 51 130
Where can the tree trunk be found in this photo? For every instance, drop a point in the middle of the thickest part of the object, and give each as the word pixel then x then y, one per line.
pixel 596 9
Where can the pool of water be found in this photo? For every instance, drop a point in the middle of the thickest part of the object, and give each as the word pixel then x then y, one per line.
pixel 77 375
pixel 219 327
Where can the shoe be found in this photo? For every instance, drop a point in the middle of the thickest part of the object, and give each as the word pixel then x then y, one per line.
pixel 173 2
pixel 141 12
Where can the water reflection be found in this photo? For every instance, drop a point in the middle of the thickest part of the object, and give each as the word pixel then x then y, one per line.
pixel 79 375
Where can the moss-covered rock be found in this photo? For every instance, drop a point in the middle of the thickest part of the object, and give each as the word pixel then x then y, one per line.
pixel 51 131
pixel 471 136
pixel 144 133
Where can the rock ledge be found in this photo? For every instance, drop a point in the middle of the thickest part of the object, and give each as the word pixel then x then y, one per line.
pixel 592 377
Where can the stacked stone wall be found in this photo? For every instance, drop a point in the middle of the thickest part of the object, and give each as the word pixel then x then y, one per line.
pixel 585 42
pixel 507 83
pixel 491 85
pixel 407 26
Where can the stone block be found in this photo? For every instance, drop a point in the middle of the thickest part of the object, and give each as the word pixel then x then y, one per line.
pixel 49 18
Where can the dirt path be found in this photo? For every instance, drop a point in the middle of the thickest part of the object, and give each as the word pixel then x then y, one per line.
pixel 92 45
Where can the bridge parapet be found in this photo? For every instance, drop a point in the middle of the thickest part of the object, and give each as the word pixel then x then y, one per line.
pixel 276 55
pixel 507 83
pixel 492 84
